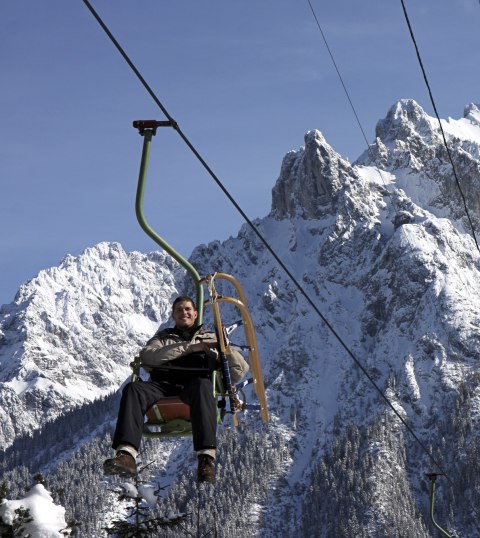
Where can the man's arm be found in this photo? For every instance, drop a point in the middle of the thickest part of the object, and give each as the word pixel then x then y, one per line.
pixel 160 350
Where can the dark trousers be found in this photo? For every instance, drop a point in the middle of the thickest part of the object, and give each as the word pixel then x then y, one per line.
pixel 137 397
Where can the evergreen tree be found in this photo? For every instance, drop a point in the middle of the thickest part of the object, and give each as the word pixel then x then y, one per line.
pixel 139 521
pixel 22 516
pixel 17 528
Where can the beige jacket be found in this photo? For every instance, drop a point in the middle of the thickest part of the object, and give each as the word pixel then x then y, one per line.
pixel 167 345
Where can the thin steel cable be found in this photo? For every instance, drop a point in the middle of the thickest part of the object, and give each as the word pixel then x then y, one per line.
pixel 407 19
pixel 369 149
pixel 266 244
pixel 410 29
pixel 338 71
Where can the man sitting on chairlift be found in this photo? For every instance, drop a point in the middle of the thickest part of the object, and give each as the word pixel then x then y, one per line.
pixel 180 361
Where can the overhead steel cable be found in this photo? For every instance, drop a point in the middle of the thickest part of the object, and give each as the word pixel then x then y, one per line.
pixel 407 19
pixel 410 29
pixel 266 244
pixel 338 71
pixel 344 86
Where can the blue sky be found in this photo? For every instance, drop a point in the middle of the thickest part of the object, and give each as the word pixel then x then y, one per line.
pixel 245 81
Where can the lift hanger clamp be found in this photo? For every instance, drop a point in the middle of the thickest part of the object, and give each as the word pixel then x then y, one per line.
pixel 152 125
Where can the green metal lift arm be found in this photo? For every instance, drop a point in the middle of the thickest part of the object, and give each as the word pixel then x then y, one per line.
pixel 433 477
pixel 148 131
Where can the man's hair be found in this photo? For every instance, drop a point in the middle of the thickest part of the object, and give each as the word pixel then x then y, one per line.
pixel 184 299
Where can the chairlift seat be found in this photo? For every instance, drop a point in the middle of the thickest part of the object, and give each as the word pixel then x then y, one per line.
pixel 168 416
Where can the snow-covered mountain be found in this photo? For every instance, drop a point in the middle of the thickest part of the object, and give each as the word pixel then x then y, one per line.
pixel 384 249
pixel 70 334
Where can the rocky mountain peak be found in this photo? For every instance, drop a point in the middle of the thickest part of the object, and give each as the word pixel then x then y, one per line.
pixel 410 144
pixel 310 180
pixel 405 119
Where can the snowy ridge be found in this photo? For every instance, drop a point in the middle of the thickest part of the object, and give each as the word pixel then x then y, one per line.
pixel 383 249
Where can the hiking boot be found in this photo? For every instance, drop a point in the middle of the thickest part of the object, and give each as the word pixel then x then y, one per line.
pixel 206 469
pixel 123 464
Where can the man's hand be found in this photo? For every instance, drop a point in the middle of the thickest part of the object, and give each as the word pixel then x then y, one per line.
pixel 203 347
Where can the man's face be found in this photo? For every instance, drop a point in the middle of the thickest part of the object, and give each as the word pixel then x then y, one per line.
pixel 184 315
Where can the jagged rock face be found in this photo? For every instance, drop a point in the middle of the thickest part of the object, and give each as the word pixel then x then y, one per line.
pixel 310 180
pixel 409 143
pixel 406 123
pixel 71 332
